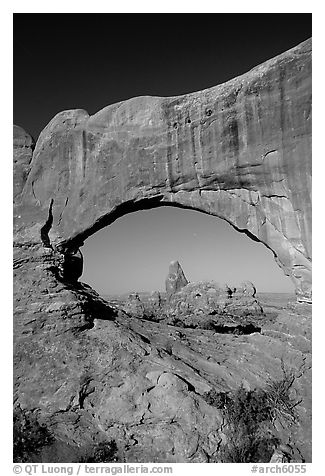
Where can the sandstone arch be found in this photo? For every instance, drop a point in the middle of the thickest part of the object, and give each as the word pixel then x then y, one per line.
pixel 240 151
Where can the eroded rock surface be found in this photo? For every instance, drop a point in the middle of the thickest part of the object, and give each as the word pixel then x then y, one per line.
pixel 207 305
pixel 239 151
pixel 134 306
pixel 23 145
pixel 176 279
pixel 93 373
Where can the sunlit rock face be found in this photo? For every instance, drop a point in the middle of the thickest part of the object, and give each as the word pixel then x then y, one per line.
pixel 23 145
pixel 207 304
pixel 240 151
pixel 176 279
pixel 91 372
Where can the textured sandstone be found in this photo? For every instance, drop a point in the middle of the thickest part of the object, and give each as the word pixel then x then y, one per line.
pixel 96 374
pixel 208 304
pixel 23 145
pixel 176 279
pixel 134 306
pixel 239 151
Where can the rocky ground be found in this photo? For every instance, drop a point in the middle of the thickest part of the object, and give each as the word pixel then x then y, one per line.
pixel 89 373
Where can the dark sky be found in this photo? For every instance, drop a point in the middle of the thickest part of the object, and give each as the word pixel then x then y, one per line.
pixel 88 61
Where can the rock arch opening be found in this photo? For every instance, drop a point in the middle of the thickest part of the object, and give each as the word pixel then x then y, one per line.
pixel 131 251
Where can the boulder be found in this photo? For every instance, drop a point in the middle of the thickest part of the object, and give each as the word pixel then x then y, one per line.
pixel 155 307
pixel 134 306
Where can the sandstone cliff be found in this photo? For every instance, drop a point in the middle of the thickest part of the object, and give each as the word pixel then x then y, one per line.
pixel 240 151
